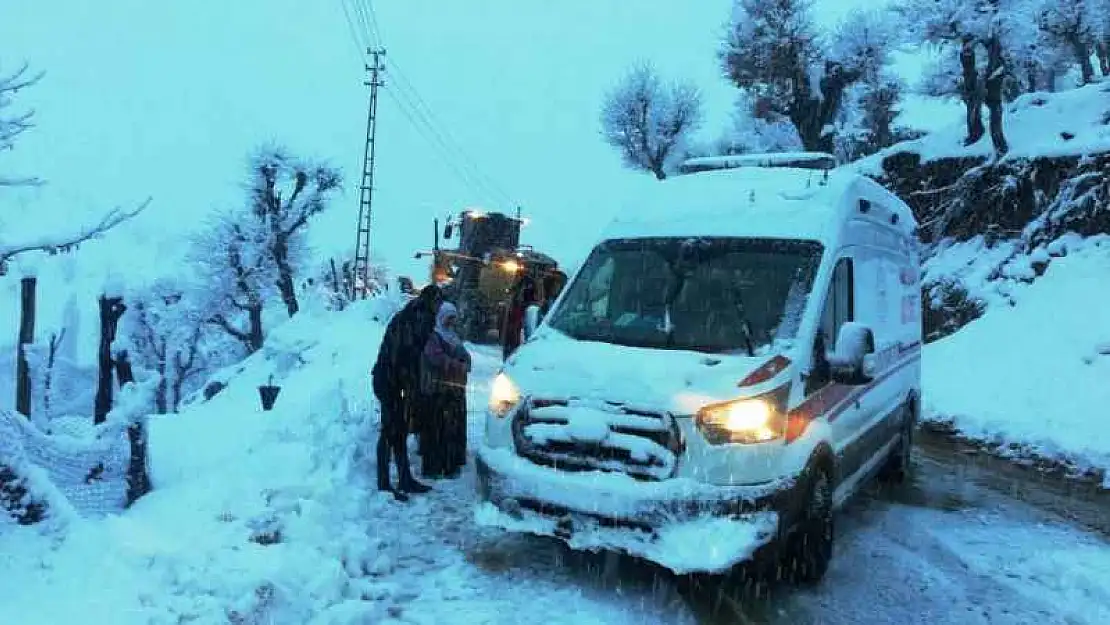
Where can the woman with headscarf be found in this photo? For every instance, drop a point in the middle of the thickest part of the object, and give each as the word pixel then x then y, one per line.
pixel 446 365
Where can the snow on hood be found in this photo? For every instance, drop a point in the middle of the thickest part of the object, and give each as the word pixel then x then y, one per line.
pixel 554 366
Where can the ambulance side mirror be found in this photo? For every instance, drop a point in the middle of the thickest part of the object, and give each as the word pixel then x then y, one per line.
pixel 853 362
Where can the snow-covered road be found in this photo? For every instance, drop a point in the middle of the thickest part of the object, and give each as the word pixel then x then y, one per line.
pixel 943 550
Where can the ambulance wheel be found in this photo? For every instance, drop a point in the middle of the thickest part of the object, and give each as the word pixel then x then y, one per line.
pixel 809 548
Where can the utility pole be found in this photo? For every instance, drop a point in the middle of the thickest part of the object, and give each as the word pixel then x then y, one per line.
pixel 361 275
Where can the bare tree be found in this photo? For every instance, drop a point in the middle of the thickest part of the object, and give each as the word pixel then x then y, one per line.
pixel 650 122
pixel 1100 16
pixel 993 84
pixel 186 364
pixel 775 52
pixel 285 194
pixel 1072 25
pixel 112 309
pixel 238 275
pixel 166 330
pixel 992 38
pixel 43 358
pixel 866 124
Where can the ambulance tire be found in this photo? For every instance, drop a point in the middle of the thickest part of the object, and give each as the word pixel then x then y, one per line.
pixel 809 548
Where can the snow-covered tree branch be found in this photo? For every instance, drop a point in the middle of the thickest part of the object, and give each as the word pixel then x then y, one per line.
pixel 649 122
pixel 63 241
pixel 14 124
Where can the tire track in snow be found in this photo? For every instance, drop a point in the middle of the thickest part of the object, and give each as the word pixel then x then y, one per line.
pixel 903 556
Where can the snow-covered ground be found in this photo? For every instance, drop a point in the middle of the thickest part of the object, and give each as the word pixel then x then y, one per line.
pixel 224 472
pixel 1034 370
pixel 270 517
pixel 1072 122
pixel 947 551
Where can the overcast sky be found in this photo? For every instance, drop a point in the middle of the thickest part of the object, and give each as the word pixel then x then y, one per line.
pixel 167 98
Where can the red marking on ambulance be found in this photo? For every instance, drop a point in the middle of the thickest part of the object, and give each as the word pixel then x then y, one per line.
pixel 766 371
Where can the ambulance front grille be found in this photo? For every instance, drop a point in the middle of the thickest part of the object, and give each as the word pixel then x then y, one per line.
pixel 641 443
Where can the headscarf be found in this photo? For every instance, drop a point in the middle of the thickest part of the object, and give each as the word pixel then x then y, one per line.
pixel 446 311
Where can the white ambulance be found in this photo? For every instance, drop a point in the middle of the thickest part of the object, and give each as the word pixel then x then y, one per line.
pixel 736 357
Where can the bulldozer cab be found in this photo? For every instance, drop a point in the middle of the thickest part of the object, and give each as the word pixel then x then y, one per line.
pixel 481 274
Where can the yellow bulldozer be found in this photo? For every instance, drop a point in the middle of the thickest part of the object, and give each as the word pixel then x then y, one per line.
pixel 484 271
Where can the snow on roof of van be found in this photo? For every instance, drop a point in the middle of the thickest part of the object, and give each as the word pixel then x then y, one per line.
pixel 748 202
pixel 795 160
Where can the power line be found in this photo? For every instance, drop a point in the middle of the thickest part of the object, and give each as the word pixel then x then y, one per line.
pixel 451 150
pixel 360 45
pixel 423 131
pixel 417 110
pixel 375 30
pixel 450 143
pixel 364 21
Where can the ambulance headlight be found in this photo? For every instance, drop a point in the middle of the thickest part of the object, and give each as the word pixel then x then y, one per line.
pixel 744 421
pixel 504 396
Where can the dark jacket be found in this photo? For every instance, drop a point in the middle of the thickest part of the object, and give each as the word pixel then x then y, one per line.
pixel 397 368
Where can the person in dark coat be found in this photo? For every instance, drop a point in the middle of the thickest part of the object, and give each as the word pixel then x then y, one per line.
pixel 446 367
pixel 396 382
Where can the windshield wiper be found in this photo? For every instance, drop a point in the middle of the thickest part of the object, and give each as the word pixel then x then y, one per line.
pixel 670 297
pixel 745 325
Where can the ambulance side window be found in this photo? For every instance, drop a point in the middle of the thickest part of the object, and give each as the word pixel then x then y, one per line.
pixel 839 308
pixel 840 304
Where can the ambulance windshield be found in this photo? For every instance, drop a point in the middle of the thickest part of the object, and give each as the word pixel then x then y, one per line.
pixel 707 294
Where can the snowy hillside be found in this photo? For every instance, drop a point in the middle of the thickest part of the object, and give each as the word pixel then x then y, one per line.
pixel 1023 241
pixel 271 517
pixel 1069 123
pixel 1032 375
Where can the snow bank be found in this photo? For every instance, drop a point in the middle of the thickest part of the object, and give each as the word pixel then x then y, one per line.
pixel 271 517
pixel 1032 374
pixel 1069 123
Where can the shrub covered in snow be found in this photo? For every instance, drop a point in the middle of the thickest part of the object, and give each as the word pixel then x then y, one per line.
pixel 948 307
